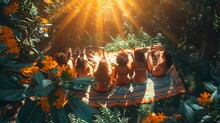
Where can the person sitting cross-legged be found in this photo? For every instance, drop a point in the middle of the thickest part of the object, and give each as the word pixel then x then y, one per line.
pixel 121 71
pixel 159 61
pixel 139 67
pixel 102 75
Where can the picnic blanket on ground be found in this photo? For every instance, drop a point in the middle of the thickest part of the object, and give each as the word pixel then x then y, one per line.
pixel 156 88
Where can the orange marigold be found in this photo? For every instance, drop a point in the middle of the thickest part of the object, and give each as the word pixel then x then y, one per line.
pixel 11 8
pixel 60 70
pixel 48 1
pixel 45 105
pixel 49 63
pixel 29 71
pixel 61 100
pixel 72 73
pixel 44 21
pixel 6 33
pixel 204 98
pixel 153 118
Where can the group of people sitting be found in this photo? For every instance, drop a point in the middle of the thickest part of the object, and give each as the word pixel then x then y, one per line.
pixel 131 66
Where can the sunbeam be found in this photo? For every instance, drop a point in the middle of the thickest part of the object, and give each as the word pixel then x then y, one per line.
pixel 99 14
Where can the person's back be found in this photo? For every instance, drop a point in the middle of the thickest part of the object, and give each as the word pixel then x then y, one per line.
pixel 82 67
pixel 122 75
pixel 139 67
pixel 122 71
pixel 102 75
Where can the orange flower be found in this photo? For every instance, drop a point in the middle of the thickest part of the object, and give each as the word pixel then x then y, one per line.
pixel 48 63
pixel 60 70
pixel 72 73
pixel 44 21
pixel 7 37
pixel 6 33
pixel 11 8
pixel 204 98
pixel 153 118
pixel 45 105
pixel 48 1
pixel 161 117
pixel 29 71
pixel 205 95
pixel 45 29
pixel 61 100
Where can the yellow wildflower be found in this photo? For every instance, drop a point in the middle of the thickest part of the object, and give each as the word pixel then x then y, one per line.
pixel 72 73
pixel 44 21
pixel 161 117
pixel 48 1
pixel 204 98
pixel 29 71
pixel 61 100
pixel 153 118
pixel 11 8
pixel 49 63
pixel 45 29
pixel 60 70
pixel 45 105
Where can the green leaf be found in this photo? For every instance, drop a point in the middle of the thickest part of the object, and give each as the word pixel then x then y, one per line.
pixel 39 52
pixel 14 66
pixel 187 112
pixel 30 112
pixel 196 107
pixel 3 47
pixel 8 82
pixel 79 84
pixel 210 87
pixel 12 94
pixel 39 78
pixel 217 78
pixel 216 96
pixel 59 115
pixel 4 59
pixel 81 110
pixel 11 89
pixel 15 17
pixel 33 10
pixel 43 90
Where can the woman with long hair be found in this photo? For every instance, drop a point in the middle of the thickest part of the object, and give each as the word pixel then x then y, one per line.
pixel 102 75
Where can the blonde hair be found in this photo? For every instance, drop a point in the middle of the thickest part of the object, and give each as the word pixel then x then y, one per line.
pixel 102 72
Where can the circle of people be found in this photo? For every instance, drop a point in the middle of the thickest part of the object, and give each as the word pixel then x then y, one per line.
pixel 131 66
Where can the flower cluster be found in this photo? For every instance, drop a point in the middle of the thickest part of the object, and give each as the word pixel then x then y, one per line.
pixel 28 72
pixel 204 98
pixel 7 38
pixel 44 21
pixel 48 1
pixel 49 63
pixel 45 105
pixel 155 118
pixel 11 8
pixel 61 100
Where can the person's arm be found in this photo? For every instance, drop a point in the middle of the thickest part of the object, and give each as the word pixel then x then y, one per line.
pixel 114 73
pixel 150 62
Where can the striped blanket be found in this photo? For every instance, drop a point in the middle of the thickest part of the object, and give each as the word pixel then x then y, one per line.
pixel 156 88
